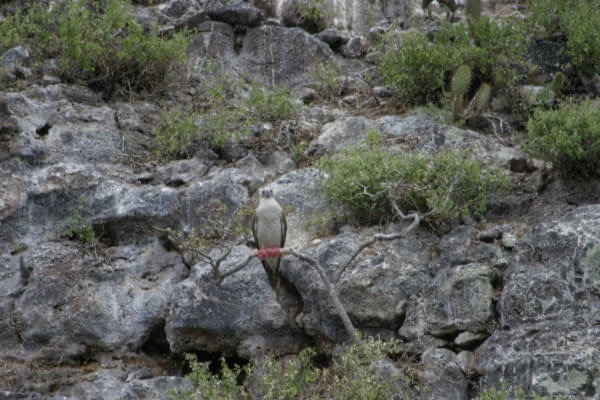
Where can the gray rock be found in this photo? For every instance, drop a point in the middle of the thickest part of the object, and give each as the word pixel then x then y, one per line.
pixel 237 14
pixel 110 387
pixel 282 56
pixel 533 95
pixel 71 304
pixel 443 378
pixel 200 202
pixel 550 57
pixel 469 339
pixel 550 358
pixel 371 288
pixel 419 132
pixel 342 133
pixel 241 315
pixel 460 299
pixel 334 38
pixel 14 57
pixel 175 13
pixel 553 276
pixel 355 47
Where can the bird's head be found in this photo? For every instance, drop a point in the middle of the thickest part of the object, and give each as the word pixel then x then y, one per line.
pixel 266 193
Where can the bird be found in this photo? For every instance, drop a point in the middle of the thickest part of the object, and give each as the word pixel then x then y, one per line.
pixel 269 228
pixel 451 4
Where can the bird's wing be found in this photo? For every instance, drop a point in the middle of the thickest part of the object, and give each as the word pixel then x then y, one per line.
pixel 283 225
pixel 255 230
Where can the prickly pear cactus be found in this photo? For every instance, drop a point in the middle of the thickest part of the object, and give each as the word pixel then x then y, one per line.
pixel 461 80
pixel 558 83
pixel 481 99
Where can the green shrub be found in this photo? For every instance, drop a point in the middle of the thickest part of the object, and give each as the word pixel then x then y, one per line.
pixel 78 226
pixel 568 137
pixel 420 69
pixel 209 386
pixel 224 114
pixel 175 135
pixel 351 375
pixel 271 105
pixel 365 179
pixel 97 43
pixel 417 68
pixel 578 20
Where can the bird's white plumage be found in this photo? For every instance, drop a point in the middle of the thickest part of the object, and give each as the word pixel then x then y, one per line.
pixel 269 230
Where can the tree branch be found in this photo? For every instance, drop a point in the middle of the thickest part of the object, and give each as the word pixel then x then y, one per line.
pixel 380 237
pixel 331 290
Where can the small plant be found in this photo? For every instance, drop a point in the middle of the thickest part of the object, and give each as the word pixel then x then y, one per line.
pixel 558 83
pixel 175 135
pixel 352 375
pixel 78 226
pixel 289 380
pixel 227 113
pixel 416 68
pixel 97 43
pixel 504 394
pixel 271 105
pixel 209 386
pixel 593 268
pixel 568 137
pixel 312 14
pixel 420 69
pixel 326 80
pixel 367 179
pixel 297 153
pixel 578 21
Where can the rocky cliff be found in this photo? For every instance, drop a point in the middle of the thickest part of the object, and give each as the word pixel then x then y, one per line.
pixel 511 299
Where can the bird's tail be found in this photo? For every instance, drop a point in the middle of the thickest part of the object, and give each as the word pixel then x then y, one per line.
pixel 271 266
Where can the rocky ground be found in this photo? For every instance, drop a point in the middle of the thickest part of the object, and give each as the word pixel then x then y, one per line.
pixel 513 299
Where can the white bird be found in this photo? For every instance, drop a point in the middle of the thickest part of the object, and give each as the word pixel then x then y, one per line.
pixel 269 228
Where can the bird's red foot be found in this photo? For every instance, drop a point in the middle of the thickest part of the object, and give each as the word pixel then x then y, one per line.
pixel 264 253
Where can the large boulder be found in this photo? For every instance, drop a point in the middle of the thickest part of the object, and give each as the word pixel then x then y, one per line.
pixel 239 316
pixel 374 288
pixel 460 299
pixel 282 56
pixel 71 303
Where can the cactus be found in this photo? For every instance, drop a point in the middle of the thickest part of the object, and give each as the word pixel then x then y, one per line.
pixel 480 101
pixel 558 83
pixel 461 80
pixel 459 87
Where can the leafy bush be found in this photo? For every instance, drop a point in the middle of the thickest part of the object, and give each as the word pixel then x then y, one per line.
pixel 578 20
pixel 225 114
pixel 351 375
pixel 568 137
pixel 420 69
pixel 271 104
pixel 99 43
pixel 416 68
pixel 365 179
pixel 175 135
pixel 209 386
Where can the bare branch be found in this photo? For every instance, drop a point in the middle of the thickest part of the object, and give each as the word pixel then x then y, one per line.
pixel 380 237
pixel 237 268
pixel 331 290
